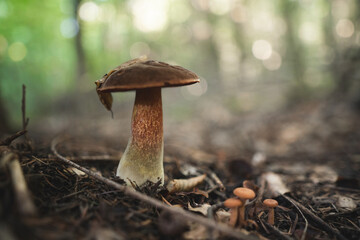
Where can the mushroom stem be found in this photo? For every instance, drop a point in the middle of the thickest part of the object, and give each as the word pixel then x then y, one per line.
pixel 271 217
pixel 143 156
pixel 234 212
pixel 241 210
pixel 271 204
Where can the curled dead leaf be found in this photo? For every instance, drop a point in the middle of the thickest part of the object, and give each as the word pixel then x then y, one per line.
pixel 185 185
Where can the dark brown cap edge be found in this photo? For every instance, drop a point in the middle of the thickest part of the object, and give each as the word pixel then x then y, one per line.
pixel 143 86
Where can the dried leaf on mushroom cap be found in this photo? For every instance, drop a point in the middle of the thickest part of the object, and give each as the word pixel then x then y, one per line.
pixel 105 98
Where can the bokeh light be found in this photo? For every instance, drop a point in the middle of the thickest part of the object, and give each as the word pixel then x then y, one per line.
pixel 89 11
pixel 150 16
pixel 234 44
pixel 261 49
pixel 107 13
pixel 345 28
pixel 201 5
pixel 263 22
pixel 69 28
pixel 17 51
pixel 201 30
pixel 219 7
pixel 309 32
pixel 238 13
pixel 273 62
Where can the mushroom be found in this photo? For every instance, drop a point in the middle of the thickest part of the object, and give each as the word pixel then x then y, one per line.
pixel 244 194
pixel 233 204
pixel 143 156
pixel 271 204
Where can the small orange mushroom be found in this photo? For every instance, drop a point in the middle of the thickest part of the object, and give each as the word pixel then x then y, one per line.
pixel 271 204
pixel 233 204
pixel 244 194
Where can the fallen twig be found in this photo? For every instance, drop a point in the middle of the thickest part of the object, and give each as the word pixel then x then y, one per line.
pixel 296 204
pixel 156 203
pixel 8 140
pixel 24 202
pixel 218 182
pixel 95 158
pixel 315 218
pixel 277 232
pixel 84 158
pixel 343 214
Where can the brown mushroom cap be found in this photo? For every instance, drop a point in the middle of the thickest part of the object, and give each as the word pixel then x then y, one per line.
pixel 244 193
pixel 232 203
pixel 270 203
pixel 141 73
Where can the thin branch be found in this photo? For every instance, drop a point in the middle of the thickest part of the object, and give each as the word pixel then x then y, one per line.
pixel 293 202
pixel 8 140
pixel 279 234
pixel 218 181
pixel 156 203
pixel 25 120
pixel 315 218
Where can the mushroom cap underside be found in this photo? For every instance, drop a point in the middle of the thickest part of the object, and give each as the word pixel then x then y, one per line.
pixel 140 74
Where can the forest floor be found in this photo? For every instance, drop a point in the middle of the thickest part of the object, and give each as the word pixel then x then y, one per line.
pixel 306 157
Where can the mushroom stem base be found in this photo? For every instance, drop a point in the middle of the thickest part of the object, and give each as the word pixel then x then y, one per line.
pixel 143 157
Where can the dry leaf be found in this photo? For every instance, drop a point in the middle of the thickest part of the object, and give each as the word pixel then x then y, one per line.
pixel 185 185
pixel 202 209
pixel 275 183
pixel 346 202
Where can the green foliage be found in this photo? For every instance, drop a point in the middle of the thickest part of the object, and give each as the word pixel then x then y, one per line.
pixel 45 65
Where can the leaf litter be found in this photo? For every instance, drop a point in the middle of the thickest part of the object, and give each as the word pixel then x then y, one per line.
pixel 317 190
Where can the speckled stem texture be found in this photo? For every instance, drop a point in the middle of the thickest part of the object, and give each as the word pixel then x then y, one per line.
pixel 143 157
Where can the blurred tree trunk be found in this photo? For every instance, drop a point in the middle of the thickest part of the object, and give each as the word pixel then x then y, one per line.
pixel 212 58
pixel 294 53
pixel 344 67
pixel 80 53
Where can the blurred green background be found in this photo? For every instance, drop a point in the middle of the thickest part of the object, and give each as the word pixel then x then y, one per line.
pixel 251 55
